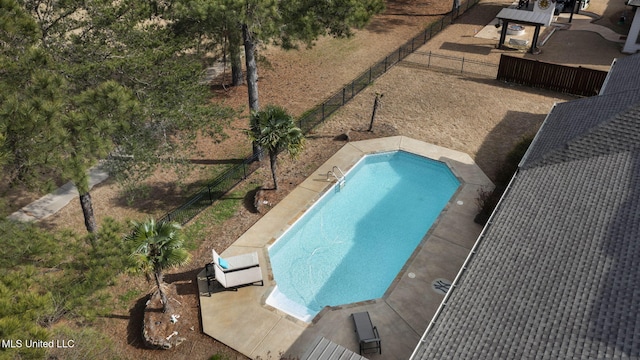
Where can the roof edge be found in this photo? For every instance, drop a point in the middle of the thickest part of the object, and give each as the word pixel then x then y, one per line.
pixel 606 79
pixel 463 267
pixel 527 154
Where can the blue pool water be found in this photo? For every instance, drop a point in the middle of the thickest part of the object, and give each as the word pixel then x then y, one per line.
pixel 354 241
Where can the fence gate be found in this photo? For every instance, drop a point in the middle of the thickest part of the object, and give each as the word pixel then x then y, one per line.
pixel 561 78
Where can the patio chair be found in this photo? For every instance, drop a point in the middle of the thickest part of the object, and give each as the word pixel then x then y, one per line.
pixel 210 273
pixel 237 271
pixel 367 333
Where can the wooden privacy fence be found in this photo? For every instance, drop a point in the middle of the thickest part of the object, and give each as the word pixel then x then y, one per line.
pixel 561 78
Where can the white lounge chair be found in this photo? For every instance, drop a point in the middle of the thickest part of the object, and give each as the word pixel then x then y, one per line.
pixel 236 271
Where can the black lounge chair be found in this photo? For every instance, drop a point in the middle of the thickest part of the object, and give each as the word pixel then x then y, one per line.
pixel 367 333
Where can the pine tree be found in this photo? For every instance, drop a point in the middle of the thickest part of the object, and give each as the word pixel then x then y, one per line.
pixel 289 23
pixel 113 83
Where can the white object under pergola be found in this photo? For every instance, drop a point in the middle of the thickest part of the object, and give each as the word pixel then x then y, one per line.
pixel 534 18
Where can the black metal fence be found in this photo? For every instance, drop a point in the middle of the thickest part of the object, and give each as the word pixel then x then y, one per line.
pixel 212 192
pixel 310 119
pixel 319 113
pixel 448 63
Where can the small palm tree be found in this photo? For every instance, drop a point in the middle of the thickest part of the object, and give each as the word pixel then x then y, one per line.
pixel 158 246
pixel 277 132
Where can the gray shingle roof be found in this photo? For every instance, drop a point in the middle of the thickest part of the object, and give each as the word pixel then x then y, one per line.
pixel 624 75
pixel 577 118
pixel 557 272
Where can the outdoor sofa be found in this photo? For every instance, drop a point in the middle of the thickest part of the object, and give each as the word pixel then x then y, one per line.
pixel 236 271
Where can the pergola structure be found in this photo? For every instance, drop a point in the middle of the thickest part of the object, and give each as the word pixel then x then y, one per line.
pixel 534 18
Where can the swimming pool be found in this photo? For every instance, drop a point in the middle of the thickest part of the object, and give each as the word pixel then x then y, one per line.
pixel 351 244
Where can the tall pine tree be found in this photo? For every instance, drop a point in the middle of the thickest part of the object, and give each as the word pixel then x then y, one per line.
pixel 88 83
pixel 287 23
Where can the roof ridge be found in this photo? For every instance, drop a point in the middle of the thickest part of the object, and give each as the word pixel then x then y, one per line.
pixel 613 118
pixel 611 136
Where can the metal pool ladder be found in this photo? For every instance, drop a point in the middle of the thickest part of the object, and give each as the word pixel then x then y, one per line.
pixel 334 172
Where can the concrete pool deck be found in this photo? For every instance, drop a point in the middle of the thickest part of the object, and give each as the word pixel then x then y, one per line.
pixel 242 320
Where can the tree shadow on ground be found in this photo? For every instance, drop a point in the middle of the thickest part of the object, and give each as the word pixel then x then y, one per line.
pixel 186 282
pixel 136 319
pixel 481 11
pixel 468 48
pixel 383 25
pixel 216 162
pixel 169 194
pixel 153 195
pixel 249 200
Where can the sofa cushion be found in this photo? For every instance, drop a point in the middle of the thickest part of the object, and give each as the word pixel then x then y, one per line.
pixel 223 263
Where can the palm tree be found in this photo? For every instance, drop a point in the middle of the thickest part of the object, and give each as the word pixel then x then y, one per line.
pixel 158 246
pixel 277 132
